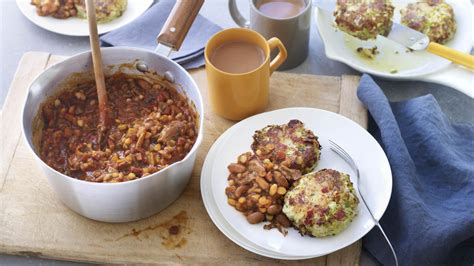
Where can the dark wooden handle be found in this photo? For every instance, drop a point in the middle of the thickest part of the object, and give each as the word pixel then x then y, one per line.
pixel 179 21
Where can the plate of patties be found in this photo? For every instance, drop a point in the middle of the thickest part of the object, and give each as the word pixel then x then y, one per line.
pixel 68 17
pixel 276 185
pixel 353 34
pixel 219 220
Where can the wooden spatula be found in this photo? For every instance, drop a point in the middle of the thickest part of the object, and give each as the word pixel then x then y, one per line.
pixel 98 71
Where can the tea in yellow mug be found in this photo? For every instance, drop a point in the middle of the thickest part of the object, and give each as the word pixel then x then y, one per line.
pixel 238 95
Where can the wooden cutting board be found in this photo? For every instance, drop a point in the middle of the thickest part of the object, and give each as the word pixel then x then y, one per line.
pixel 34 223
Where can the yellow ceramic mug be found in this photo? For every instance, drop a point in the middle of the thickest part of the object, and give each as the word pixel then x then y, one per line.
pixel 237 96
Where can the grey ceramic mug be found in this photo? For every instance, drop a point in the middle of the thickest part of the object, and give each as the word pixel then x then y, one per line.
pixel 293 31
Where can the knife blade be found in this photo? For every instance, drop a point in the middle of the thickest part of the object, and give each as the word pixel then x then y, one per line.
pixel 408 37
pixel 163 49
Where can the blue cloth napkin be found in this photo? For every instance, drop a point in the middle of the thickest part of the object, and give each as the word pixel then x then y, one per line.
pixel 430 217
pixel 142 33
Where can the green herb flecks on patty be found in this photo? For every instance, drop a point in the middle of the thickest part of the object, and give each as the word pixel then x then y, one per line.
pixel 291 146
pixel 364 19
pixel 321 203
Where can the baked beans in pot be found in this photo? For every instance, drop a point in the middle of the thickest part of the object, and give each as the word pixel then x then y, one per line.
pixel 151 125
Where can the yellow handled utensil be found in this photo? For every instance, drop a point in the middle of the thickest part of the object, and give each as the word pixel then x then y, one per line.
pixel 451 54
pixel 418 41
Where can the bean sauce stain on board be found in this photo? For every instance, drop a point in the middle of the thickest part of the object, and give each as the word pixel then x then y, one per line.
pixel 172 232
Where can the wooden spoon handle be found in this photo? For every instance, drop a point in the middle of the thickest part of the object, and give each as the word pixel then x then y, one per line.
pixel 178 23
pixel 97 62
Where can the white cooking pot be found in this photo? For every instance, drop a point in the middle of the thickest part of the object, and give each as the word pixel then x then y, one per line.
pixel 131 200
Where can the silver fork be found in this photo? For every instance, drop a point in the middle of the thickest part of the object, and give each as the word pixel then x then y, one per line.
pixel 344 155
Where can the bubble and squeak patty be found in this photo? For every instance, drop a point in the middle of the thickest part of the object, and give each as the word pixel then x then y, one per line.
pixel 435 18
pixel 364 19
pixel 291 146
pixel 321 203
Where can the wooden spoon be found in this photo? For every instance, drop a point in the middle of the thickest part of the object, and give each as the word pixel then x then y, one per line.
pixel 98 71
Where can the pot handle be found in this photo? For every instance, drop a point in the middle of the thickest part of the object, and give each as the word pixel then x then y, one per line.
pixel 237 16
pixel 179 22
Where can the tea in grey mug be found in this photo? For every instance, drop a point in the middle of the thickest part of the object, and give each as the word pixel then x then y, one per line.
pixel 292 31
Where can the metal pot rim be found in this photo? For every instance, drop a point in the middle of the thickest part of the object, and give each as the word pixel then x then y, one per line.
pixel 138 180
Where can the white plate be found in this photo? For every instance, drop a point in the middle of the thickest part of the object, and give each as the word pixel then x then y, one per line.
pixel 78 27
pixel 342 47
pixel 374 166
pixel 218 219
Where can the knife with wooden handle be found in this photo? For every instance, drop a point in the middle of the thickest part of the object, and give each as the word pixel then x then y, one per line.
pixel 177 25
pixel 414 40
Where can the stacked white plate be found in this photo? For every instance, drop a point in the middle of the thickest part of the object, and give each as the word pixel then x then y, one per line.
pixel 376 183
